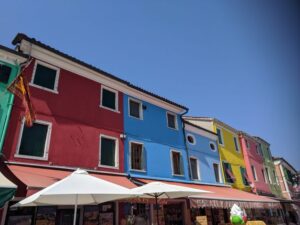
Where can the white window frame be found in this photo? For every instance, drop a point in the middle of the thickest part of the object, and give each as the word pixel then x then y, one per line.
pixel 116 151
pixel 268 176
pixel 116 100
pixel 222 137
pixel 253 170
pixel 219 171
pixel 172 164
pixel 47 141
pixel 140 108
pixel 55 90
pixel 237 144
pixel 198 168
pixel 175 117
pixel 188 134
pixel 214 144
pixel 129 163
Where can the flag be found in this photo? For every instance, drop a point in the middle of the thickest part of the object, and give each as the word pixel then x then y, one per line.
pixel 20 88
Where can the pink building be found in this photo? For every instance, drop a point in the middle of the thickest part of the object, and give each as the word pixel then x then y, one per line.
pixel 254 164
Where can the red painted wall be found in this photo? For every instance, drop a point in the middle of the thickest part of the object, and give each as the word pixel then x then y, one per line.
pixel 77 122
pixel 251 157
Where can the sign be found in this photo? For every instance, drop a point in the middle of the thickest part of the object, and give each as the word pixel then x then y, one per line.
pixel 201 220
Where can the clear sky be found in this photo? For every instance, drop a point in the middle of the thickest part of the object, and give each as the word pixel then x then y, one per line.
pixel 238 61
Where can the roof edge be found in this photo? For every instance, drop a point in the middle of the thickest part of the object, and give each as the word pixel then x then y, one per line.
pixel 21 36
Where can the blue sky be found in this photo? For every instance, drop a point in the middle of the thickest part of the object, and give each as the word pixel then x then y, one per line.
pixel 238 61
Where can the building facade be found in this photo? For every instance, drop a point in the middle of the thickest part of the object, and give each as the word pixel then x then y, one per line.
pixel 268 172
pixel 154 143
pixel 203 153
pixel 254 162
pixel 231 155
pixel 9 69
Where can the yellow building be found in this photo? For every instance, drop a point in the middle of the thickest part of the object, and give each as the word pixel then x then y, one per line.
pixel 231 155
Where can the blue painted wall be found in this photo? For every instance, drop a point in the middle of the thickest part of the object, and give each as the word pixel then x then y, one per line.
pixel 206 157
pixel 158 140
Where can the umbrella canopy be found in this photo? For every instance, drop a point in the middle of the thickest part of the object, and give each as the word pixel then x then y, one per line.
pixel 162 190
pixel 78 188
pixel 159 190
pixel 7 190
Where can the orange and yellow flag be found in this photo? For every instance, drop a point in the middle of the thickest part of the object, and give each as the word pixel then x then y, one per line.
pixel 20 88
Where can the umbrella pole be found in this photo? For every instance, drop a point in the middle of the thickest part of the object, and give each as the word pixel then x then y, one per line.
pixel 156 209
pixel 75 210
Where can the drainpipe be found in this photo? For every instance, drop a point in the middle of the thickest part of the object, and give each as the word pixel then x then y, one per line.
pixel 185 144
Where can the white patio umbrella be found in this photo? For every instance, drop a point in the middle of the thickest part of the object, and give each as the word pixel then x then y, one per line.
pixel 159 190
pixel 78 188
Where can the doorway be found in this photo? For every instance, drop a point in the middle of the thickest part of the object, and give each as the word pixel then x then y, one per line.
pixel 65 216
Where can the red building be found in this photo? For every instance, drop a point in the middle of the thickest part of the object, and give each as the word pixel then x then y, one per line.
pixel 72 121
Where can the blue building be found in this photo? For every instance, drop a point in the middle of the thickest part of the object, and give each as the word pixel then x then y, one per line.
pixel 203 155
pixel 154 144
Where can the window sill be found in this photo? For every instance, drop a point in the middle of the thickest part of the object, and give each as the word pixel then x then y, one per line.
pixel 31 157
pixel 135 170
pixel 137 118
pixel 43 88
pixel 108 167
pixel 113 110
pixel 178 175
pixel 175 129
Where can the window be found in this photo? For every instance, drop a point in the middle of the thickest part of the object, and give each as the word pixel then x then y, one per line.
pixel 108 151
pixel 45 76
pixel 34 140
pixel 258 149
pixel 229 177
pixel 264 175
pixel 217 172
pixel 247 144
pixel 268 175
pixel 109 99
pixel 254 172
pixel 191 139
pixel 194 168
pixel 220 136
pixel 245 178
pixel 177 163
pixel 171 120
pixel 136 156
pixel 212 146
pixel 236 145
pixel 135 109
pixel 276 178
pixel 4 73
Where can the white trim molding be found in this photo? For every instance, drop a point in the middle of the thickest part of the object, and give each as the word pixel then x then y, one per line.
pixel 66 64
pixel 198 168
pixel 116 99
pixel 47 141
pixel 116 151
pixel 175 118
pixel 181 161
pixel 38 62
pixel 141 113
pixel 142 160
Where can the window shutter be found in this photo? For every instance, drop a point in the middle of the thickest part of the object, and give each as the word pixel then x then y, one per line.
pixel 144 159
pixel 181 164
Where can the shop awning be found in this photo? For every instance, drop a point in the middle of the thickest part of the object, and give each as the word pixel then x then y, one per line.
pixel 225 197
pixel 37 178
pixel 7 190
